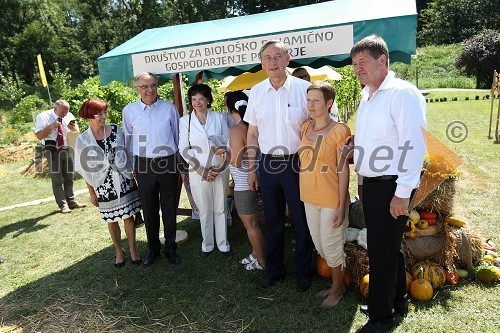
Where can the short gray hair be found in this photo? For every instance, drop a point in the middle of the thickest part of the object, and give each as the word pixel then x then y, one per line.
pixel 374 44
pixel 61 102
pixel 271 42
pixel 138 76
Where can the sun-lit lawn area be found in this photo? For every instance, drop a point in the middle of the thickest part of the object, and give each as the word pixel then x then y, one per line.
pixel 59 275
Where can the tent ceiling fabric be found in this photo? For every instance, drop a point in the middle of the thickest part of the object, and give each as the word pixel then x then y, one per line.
pixel 317 35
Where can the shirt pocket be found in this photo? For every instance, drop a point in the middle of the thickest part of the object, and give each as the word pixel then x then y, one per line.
pixel 294 115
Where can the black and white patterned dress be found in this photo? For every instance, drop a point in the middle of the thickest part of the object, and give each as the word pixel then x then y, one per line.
pixel 114 206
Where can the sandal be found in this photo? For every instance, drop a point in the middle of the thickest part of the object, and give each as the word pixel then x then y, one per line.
pixel 248 260
pixel 254 266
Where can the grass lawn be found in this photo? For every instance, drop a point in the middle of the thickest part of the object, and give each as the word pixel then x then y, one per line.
pixel 59 274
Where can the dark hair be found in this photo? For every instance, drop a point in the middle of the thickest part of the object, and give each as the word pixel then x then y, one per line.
pixel 301 73
pixel 326 88
pixel 203 89
pixel 232 98
pixel 276 42
pixel 374 44
pixel 91 107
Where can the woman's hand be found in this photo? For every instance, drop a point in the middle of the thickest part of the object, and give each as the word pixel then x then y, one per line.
pixel 339 217
pixel 93 199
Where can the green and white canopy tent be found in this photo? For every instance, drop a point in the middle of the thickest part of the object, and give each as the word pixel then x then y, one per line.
pixel 317 35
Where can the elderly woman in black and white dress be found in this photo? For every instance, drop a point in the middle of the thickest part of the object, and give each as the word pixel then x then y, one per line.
pixel 100 158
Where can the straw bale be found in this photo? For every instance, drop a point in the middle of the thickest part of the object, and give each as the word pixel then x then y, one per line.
pixel 441 198
pixel 357 261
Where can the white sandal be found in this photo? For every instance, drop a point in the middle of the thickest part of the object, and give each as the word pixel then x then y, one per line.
pixel 254 266
pixel 248 260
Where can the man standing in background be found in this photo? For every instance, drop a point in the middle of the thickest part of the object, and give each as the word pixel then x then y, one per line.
pixel 51 127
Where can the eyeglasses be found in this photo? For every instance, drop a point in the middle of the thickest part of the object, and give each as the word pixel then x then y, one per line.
pixel 145 86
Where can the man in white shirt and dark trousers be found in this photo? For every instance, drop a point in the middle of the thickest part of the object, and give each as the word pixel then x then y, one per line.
pixel 51 127
pixel 276 110
pixel 151 128
pixel 388 153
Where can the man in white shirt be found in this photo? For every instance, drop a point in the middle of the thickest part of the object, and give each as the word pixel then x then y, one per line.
pixel 388 153
pixel 276 110
pixel 151 128
pixel 51 127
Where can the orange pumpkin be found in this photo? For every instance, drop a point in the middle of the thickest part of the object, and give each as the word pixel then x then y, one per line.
pixel 348 279
pixel 421 290
pixel 429 271
pixel 363 285
pixel 409 280
pixel 323 268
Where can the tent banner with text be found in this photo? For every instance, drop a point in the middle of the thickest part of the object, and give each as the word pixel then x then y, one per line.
pixel 301 44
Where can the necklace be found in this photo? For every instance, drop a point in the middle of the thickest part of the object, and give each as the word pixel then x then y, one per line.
pixel 201 121
pixel 321 127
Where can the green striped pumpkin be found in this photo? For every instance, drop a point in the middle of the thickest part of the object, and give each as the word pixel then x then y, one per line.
pixel 429 271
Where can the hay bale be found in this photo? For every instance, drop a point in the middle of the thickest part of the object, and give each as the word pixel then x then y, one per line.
pixel 357 262
pixel 441 198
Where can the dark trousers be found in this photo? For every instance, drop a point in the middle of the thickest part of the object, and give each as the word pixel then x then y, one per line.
pixel 386 257
pixel 157 181
pixel 279 185
pixel 61 169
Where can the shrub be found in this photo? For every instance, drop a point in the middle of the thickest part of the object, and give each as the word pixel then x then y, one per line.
pixel 9 135
pixel 477 98
pixel 27 109
pixel 466 98
pixel 10 91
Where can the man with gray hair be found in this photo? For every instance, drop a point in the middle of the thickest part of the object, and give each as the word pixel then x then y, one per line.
pixel 151 128
pixel 276 110
pixel 51 127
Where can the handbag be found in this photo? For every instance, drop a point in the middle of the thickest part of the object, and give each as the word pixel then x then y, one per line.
pixel 183 165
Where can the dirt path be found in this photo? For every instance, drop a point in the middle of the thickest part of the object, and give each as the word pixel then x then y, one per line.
pixel 37 202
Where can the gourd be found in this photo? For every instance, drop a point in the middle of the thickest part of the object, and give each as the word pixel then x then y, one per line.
pixel 323 268
pixel 363 285
pixel 420 289
pixel 429 271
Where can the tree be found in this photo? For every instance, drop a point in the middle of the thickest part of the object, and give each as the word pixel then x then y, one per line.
pixel 452 21
pixel 480 57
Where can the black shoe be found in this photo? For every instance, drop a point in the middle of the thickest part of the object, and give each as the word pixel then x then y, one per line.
pixel 204 254
pixel 151 258
pixel 227 253
pixel 136 262
pixel 303 284
pixel 270 281
pixel 173 257
pixel 375 327
pixel 120 264
pixel 138 221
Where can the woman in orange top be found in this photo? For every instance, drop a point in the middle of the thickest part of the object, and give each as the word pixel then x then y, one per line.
pixel 324 182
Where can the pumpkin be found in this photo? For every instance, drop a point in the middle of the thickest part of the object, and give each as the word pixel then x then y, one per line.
pixel 363 285
pixel 409 280
pixel 421 290
pixel 323 268
pixel 429 271
pixel 348 279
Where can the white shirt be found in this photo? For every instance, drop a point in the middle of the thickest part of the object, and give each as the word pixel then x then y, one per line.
pixel 278 114
pixel 151 130
pixel 392 117
pixel 48 117
pixel 215 125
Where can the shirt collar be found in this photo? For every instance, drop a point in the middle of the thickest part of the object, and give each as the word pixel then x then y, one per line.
pixel 145 106
pixel 386 84
pixel 286 85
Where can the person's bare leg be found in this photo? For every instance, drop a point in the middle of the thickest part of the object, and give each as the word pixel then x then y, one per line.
pixel 116 238
pixel 337 290
pixel 255 236
pixel 130 232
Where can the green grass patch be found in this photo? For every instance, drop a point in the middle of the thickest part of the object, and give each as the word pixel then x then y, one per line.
pixel 59 273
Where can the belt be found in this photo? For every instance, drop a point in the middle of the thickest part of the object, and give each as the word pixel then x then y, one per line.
pixel 379 178
pixel 154 159
pixel 277 157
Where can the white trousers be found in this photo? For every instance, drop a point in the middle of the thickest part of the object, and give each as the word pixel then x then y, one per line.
pixel 211 200
pixel 329 241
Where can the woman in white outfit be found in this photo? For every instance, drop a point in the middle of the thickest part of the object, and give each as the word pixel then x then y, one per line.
pixel 199 131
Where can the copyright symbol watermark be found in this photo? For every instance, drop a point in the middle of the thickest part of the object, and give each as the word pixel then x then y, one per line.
pixel 457 131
